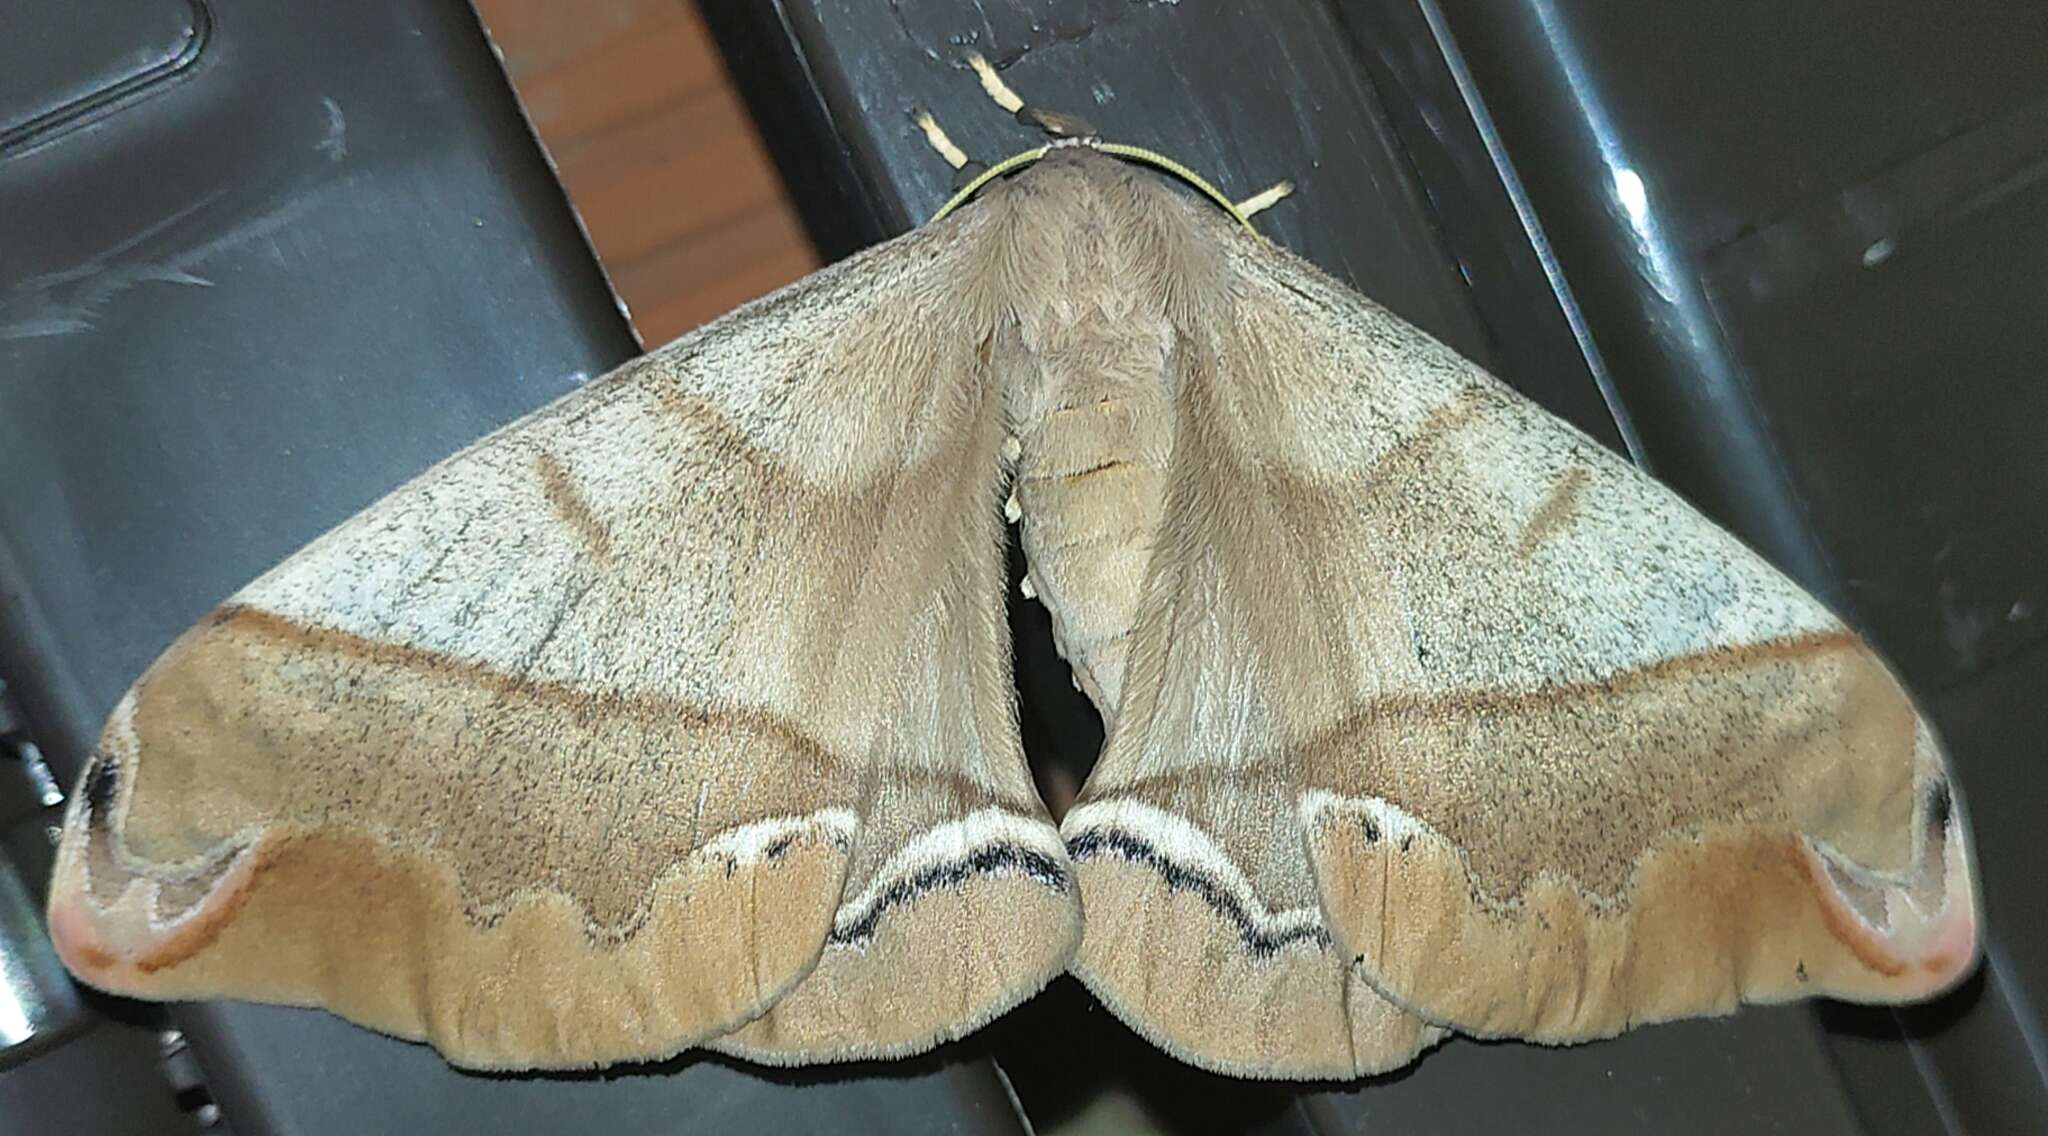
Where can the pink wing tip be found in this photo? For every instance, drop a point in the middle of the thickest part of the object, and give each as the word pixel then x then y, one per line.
pixel 1887 926
pixel 117 945
pixel 77 939
pixel 1954 950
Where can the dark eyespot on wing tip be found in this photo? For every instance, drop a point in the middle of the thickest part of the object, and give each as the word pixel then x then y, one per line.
pixel 102 784
pixel 1940 804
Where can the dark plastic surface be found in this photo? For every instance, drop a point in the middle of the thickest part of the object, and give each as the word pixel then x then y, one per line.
pixel 103 1082
pixel 1600 208
pixel 234 310
pixel 1843 312
pixel 65 63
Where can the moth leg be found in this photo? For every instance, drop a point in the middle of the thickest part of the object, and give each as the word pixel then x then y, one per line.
pixel 1266 198
pixel 1056 124
pixel 936 137
pixel 965 169
pixel 993 83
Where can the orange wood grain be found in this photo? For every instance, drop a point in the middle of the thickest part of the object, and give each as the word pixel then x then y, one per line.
pixel 538 35
pixel 705 276
pixel 656 151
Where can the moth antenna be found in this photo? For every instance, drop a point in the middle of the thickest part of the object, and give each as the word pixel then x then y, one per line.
pixel 1266 198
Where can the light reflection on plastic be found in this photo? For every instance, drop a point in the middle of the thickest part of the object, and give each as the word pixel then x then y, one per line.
pixel 1628 189
pixel 1653 259
pixel 18 1000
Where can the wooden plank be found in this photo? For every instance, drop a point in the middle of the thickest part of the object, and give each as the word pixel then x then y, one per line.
pixel 692 166
pixel 752 281
pixel 622 80
pixel 706 275
pixel 677 130
pixel 535 36
pixel 657 154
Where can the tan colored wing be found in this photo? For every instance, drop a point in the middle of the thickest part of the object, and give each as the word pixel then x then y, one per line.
pixel 961 900
pixel 1205 930
pixel 1552 754
pixel 590 742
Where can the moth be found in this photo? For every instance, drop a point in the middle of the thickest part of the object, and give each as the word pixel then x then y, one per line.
pixel 680 712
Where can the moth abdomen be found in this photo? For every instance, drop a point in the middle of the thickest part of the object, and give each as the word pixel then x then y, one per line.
pixel 1094 436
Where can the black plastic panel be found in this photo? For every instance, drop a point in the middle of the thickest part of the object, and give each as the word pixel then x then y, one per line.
pixel 106 1081
pixel 61 64
pixel 1762 1071
pixel 1848 314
